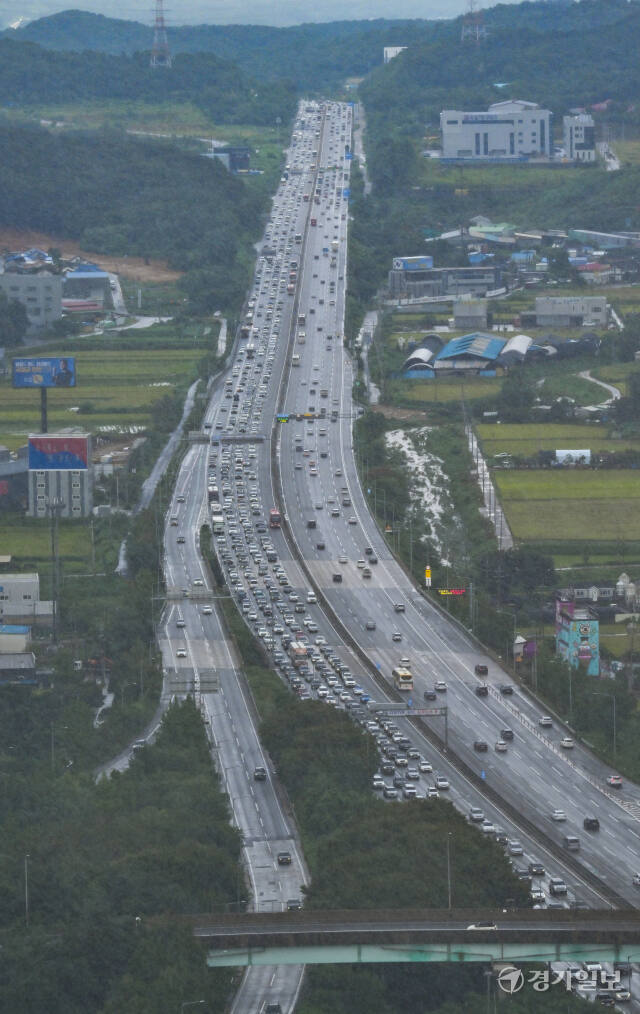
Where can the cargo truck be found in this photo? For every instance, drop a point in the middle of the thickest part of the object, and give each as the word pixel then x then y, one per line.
pixel 297 652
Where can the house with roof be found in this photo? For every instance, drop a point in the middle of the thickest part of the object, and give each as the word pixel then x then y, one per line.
pixel 85 282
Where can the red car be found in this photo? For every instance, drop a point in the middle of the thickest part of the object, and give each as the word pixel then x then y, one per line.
pixel 615 781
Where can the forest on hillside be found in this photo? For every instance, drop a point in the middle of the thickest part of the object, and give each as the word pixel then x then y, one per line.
pixel 321 56
pixel 187 210
pixel 31 74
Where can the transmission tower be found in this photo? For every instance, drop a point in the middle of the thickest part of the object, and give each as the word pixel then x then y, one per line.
pixel 473 26
pixel 160 55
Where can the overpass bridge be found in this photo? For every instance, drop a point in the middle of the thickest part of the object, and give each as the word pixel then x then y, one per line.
pixel 414 935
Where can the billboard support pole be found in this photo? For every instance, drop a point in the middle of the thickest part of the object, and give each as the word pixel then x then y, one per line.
pixel 43 410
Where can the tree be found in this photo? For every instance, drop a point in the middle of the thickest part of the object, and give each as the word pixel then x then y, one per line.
pixel 516 396
pixel 13 321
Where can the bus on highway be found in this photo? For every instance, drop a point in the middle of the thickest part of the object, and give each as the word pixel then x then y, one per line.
pixel 402 678
pixel 274 518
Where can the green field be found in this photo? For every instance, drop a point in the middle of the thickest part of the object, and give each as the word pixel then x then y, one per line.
pixel 574 505
pixel 28 542
pixel 115 392
pixel 446 390
pixel 527 439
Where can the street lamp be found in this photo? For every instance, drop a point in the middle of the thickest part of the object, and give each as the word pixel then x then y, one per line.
pixel 611 697
pixel 449 869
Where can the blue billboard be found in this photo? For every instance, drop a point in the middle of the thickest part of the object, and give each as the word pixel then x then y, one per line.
pixel 38 371
pixel 421 263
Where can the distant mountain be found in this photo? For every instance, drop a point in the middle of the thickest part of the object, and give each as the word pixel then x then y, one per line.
pixel 282 14
pixel 317 55
pixel 314 56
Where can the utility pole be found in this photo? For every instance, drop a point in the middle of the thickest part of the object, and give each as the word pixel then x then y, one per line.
pixel 26 890
pixel 55 502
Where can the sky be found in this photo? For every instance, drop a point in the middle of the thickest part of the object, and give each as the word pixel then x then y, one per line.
pixel 262 12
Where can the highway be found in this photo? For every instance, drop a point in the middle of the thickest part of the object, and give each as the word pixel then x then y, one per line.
pixel 339 588
pixel 299 338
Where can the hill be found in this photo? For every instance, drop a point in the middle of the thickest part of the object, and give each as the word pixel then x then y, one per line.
pixel 123 196
pixel 31 74
pixel 314 56
pixel 319 56
pixel 572 58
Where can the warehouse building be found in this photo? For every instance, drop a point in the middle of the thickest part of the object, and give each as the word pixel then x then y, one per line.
pixel 470 314
pixel 571 311
pixel 87 282
pixel 472 353
pixel 439 282
pixel 20 599
pixel 19 667
pixel 513 130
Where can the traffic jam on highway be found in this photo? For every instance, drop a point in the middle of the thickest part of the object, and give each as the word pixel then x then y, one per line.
pixel 315 581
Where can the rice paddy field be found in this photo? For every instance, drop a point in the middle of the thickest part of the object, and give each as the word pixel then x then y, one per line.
pixel 114 395
pixel 526 439
pixel 576 505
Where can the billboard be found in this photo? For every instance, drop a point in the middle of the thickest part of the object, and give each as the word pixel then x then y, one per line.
pixel 38 371
pixel 58 451
pixel 421 263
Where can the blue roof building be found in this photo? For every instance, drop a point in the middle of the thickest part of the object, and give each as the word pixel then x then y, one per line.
pixel 475 352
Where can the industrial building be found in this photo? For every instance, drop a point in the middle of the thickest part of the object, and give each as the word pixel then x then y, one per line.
pixel 60 474
pixel 20 599
pixel 513 130
pixel 571 311
pixel 470 314
pixel 579 138
pixel 14 638
pixel 18 667
pixel 475 353
pixel 437 282
pixel 86 283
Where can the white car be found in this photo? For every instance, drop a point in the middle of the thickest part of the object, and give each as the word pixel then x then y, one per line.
pixel 425 767
pixel 558 815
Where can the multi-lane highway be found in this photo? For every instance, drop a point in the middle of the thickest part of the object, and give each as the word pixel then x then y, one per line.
pixel 322 574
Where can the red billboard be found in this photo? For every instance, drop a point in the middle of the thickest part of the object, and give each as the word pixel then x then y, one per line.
pixel 58 451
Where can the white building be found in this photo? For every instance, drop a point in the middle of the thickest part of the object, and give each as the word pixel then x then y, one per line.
pixel 571 311
pixel 40 294
pixel 389 52
pixel 20 598
pixel 579 138
pixel 513 129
